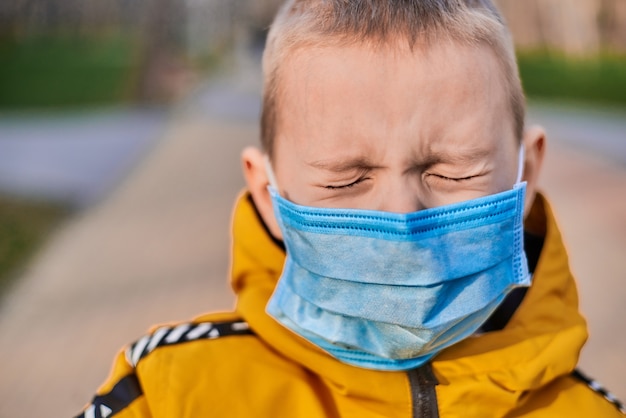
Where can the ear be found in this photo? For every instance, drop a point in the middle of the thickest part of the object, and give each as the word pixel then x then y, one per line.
pixel 257 180
pixel 535 149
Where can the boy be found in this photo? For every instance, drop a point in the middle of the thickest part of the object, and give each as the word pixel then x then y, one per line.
pixel 421 274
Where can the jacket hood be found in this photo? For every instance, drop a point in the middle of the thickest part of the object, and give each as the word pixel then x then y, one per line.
pixel 541 341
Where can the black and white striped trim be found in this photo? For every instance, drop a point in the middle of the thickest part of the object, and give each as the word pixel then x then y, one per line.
pixel 183 333
pixel 125 391
pixel 597 387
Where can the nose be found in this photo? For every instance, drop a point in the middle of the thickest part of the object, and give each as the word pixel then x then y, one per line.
pixel 399 198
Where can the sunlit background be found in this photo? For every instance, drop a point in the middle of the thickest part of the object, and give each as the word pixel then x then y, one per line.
pixel 121 124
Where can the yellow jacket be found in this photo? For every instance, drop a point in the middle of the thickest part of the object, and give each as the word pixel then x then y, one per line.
pixel 244 364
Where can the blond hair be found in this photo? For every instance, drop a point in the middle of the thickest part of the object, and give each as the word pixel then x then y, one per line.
pixel 318 23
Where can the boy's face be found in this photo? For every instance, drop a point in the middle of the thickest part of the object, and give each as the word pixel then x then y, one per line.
pixel 393 129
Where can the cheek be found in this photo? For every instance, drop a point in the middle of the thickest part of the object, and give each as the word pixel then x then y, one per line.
pixel 503 179
pixel 439 192
pixel 434 200
pixel 506 164
pixel 290 172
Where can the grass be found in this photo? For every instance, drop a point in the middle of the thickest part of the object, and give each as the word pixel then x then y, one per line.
pixel 549 75
pixel 63 71
pixel 70 72
pixel 24 225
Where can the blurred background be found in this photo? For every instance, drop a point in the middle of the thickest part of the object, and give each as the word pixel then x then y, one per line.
pixel 121 124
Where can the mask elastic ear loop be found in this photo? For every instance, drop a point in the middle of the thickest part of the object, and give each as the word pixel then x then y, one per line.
pixel 520 164
pixel 269 172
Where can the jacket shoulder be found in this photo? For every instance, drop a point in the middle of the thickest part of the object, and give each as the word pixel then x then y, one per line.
pixel 573 395
pixel 599 390
pixel 123 393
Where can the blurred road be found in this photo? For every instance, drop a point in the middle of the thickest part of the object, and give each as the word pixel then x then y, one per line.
pixel 74 158
pixel 157 248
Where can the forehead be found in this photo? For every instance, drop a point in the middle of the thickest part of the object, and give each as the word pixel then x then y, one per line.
pixel 441 87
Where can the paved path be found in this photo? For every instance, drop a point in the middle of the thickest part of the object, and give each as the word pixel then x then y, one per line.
pixel 157 248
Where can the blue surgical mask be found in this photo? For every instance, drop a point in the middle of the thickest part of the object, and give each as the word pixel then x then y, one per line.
pixel 389 291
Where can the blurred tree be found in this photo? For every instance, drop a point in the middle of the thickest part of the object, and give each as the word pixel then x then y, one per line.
pixel 211 25
pixel 77 17
pixel 579 27
pixel 262 12
pixel 166 33
pixel 160 57
pixel 613 20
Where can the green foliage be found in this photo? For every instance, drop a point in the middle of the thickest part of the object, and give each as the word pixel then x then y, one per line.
pixel 64 71
pixel 601 79
pixel 24 225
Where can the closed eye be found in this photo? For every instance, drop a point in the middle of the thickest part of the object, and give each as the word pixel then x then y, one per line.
pixel 346 186
pixel 455 179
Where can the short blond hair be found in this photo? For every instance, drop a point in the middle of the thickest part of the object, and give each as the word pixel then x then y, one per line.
pixel 318 23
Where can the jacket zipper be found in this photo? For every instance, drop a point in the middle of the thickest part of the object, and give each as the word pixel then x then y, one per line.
pixel 424 397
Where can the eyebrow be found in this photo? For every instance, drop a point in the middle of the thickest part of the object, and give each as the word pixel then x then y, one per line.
pixel 431 158
pixel 344 165
pixel 466 156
